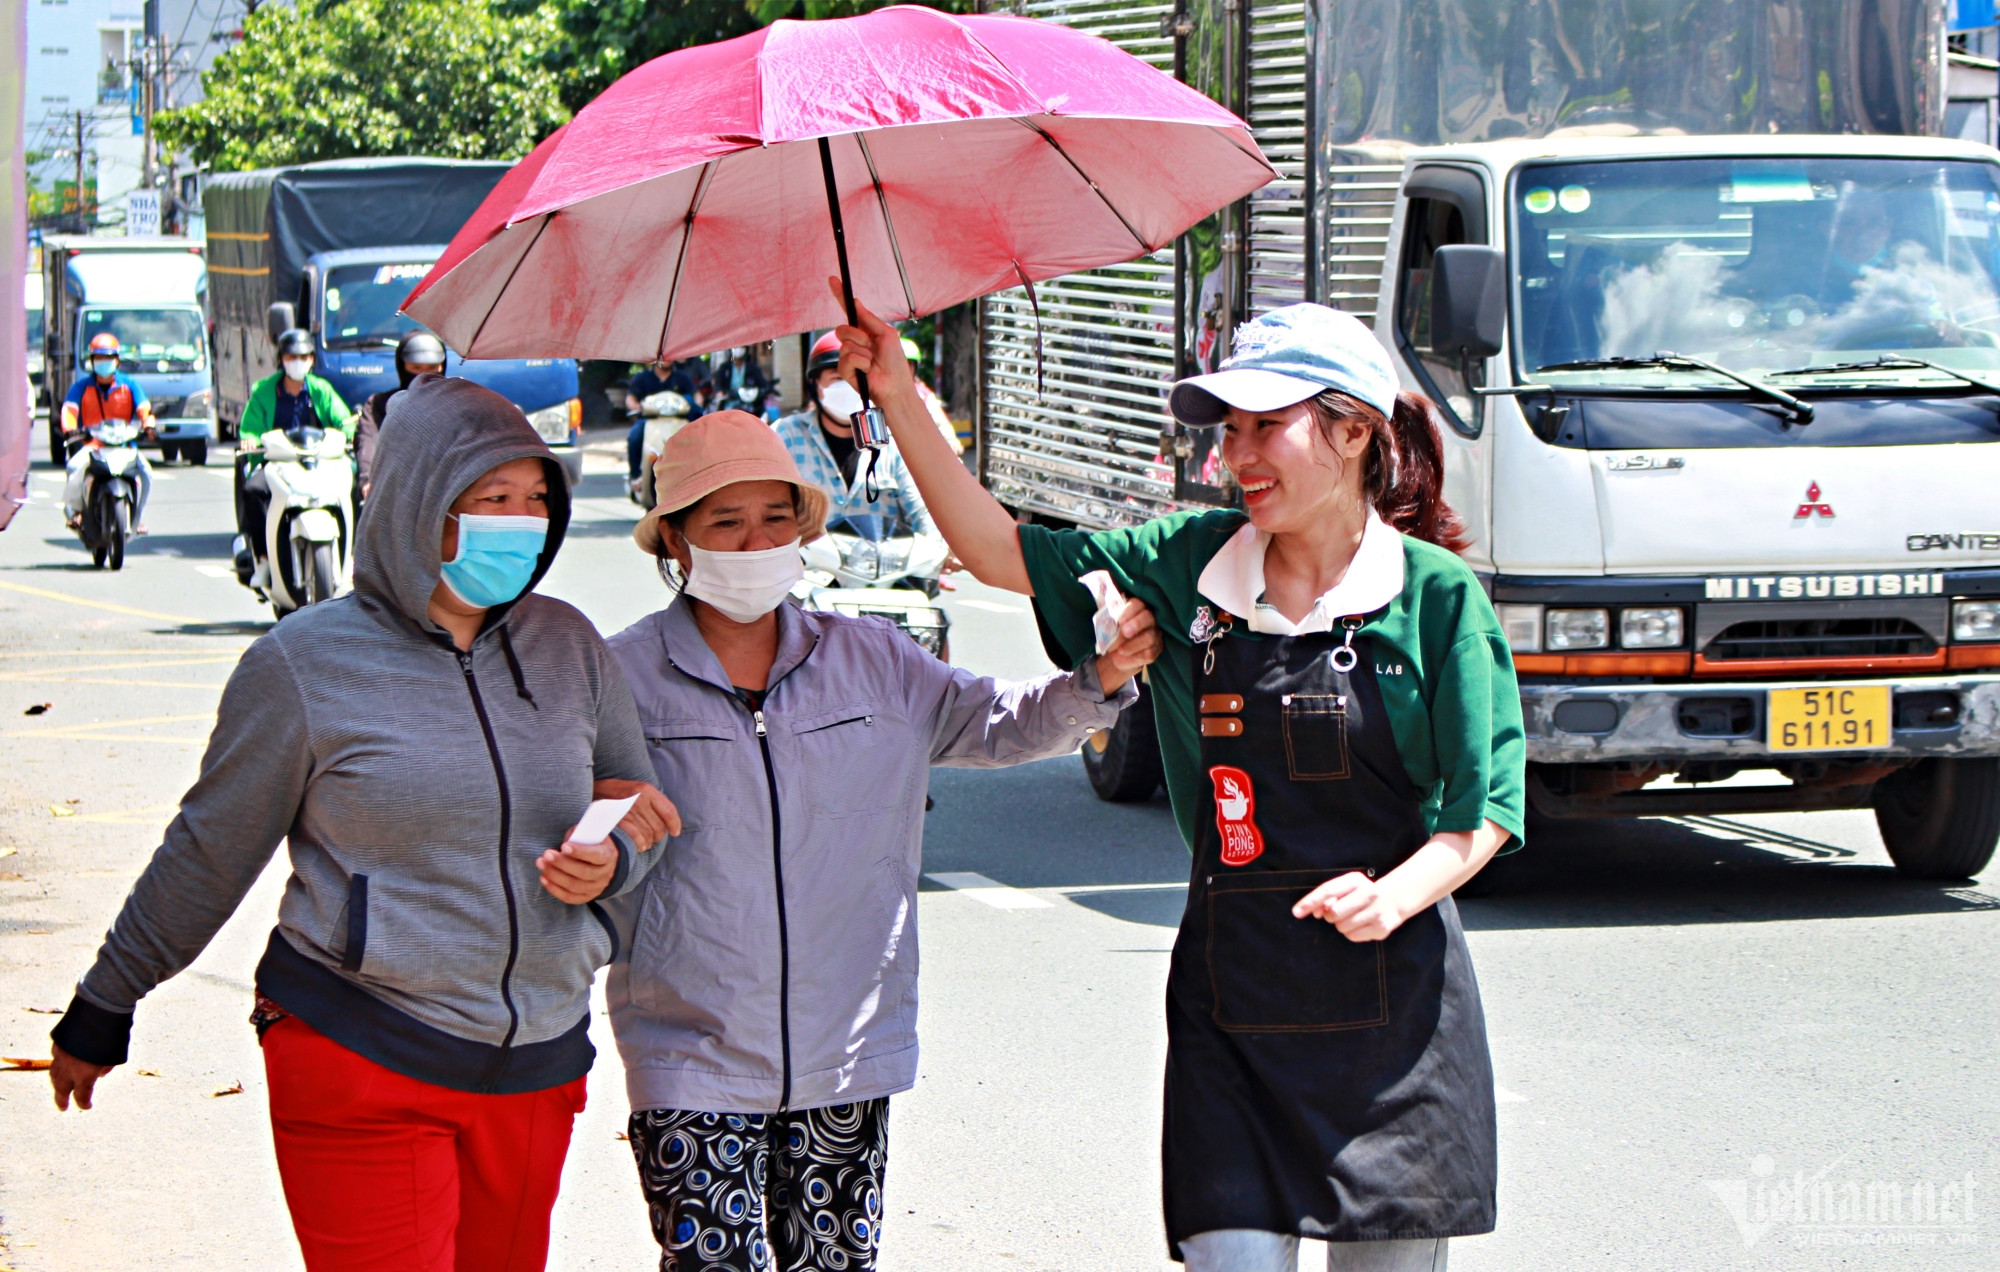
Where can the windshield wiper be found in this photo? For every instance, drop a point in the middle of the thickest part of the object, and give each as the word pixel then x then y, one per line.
pixel 1801 412
pixel 361 342
pixel 1900 363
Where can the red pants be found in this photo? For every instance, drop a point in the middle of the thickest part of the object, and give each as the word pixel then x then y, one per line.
pixel 384 1172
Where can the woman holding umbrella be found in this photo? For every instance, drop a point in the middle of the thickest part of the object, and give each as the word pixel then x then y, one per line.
pixel 1343 745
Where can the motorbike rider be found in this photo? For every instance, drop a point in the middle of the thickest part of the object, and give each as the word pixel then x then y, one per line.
pixel 105 394
pixel 739 373
pixel 288 399
pixel 821 441
pixel 417 353
pixel 659 377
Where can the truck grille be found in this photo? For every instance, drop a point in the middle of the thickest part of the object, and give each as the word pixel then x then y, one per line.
pixel 168 408
pixel 1821 638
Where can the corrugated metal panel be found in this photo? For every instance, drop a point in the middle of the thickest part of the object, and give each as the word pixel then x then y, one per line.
pixel 1276 110
pixel 1356 204
pixel 1085 445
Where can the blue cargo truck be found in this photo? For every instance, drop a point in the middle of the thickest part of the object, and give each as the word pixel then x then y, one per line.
pixel 334 248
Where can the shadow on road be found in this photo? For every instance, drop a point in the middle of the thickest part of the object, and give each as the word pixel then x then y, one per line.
pixel 1039 826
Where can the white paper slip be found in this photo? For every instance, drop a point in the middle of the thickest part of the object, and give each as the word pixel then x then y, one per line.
pixel 600 819
pixel 1104 623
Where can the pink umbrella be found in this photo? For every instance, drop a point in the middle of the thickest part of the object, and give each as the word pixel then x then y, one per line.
pixel 702 200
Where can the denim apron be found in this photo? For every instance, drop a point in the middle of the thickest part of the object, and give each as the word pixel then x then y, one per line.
pixel 1315 1085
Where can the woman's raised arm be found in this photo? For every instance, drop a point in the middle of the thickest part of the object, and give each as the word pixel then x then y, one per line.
pixel 979 530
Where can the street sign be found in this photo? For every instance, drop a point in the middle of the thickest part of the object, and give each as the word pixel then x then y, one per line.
pixel 142 212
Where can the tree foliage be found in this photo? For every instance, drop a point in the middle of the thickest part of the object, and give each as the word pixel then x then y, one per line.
pixel 460 79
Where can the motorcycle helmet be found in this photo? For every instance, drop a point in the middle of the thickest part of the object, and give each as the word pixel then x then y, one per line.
pixel 825 354
pixel 103 345
pixel 296 343
pixel 420 347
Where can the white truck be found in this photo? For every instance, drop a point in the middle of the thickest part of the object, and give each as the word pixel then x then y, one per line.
pixel 1721 402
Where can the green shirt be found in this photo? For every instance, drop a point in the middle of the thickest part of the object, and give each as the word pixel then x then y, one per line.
pixel 1454 706
pixel 263 406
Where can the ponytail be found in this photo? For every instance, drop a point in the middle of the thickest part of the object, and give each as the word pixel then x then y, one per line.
pixel 1404 477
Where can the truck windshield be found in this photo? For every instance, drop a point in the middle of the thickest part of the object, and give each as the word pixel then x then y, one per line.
pixel 1759 265
pixel 361 302
pixel 35 329
pixel 151 339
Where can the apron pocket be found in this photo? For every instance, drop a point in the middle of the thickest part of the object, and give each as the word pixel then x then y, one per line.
pixel 1315 736
pixel 1272 973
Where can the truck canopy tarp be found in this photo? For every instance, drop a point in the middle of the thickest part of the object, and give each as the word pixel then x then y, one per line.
pixel 137 278
pixel 263 225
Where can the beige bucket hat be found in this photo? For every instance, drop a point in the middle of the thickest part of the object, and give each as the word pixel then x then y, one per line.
pixel 719 450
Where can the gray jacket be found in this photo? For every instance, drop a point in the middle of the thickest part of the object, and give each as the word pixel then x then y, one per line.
pixel 416 786
pixel 774 950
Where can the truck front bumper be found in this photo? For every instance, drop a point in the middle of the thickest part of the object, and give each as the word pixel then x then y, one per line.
pixel 175 432
pixel 1582 723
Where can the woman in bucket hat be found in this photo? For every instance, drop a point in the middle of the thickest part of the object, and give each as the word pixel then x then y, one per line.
pixel 1342 741
pixel 768 1006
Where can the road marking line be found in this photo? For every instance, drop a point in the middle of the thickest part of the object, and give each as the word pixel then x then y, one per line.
pixel 123 684
pixel 88 653
pixel 128 666
pixel 128 816
pixel 1501 1095
pixel 989 891
pixel 991 607
pixel 216 571
pixel 109 724
pixel 103 605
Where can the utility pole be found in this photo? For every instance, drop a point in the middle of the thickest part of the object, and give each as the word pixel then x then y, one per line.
pixel 81 224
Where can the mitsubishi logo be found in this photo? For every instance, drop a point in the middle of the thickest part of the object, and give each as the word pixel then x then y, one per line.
pixel 1812 506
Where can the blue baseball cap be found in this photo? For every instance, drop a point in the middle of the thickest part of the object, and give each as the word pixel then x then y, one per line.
pixel 1283 358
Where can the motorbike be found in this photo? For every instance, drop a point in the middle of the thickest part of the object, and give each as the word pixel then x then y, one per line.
pixel 665 413
pixel 110 491
pixel 859 568
pixel 308 546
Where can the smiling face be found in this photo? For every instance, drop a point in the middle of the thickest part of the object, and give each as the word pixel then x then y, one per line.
pixel 744 516
pixel 1291 476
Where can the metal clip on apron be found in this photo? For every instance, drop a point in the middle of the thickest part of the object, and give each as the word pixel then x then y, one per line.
pixel 1315 1085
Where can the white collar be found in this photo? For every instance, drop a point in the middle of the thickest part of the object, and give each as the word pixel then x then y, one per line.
pixel 1234 580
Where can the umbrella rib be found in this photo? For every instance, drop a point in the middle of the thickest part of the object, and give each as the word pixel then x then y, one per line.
pixel 1043 133
pixel 882 198
pixel 480 330
pixel 680 257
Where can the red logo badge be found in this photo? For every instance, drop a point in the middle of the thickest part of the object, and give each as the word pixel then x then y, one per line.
pixel 1235 812
pixel 1812 506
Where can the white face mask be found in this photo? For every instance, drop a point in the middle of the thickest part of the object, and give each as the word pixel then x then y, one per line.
pixel 840 401
pixel 298 368
pixel 745 586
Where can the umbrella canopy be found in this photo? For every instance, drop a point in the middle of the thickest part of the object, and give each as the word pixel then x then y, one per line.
pixel 686 209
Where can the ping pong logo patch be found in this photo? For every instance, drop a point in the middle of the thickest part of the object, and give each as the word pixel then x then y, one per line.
pixel 1235 816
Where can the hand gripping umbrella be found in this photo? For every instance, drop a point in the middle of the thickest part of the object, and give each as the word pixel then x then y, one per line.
pixel 702 200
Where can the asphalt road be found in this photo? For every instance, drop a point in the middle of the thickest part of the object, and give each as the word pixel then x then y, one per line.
pixel 1696 1023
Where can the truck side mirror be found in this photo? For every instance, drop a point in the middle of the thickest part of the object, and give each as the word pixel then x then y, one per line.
pixel 1468 301
pixel 279 319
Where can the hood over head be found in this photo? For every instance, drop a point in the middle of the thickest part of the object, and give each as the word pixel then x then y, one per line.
pixel 439 436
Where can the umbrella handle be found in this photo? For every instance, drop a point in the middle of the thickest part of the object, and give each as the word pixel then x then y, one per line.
pixel 870 429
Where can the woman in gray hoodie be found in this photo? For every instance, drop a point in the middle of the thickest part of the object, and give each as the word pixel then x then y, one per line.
pixel 769 1008
pixel 424 744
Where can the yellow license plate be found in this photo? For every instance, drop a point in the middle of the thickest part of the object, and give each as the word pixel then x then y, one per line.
pixel 1831 719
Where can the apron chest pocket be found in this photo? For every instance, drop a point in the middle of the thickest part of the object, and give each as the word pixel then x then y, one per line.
pixel 1315 736
pixel 1272 973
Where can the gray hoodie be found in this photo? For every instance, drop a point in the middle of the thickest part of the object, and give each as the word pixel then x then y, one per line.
pixel 416 786
pixel 774 952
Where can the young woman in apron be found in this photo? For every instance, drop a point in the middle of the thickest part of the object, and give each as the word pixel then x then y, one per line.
pixel 1342 741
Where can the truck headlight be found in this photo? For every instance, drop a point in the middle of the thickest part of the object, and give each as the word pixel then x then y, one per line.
pixel 1649 628
pixel 1523 625
pixel 551 424
pixel 1577 629
pixel 1975 620
pixel 200 405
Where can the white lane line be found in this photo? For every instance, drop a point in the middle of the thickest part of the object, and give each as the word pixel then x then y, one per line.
pixel 217 571
pixel 1501 1095
pixel 989 891
pixel 991 607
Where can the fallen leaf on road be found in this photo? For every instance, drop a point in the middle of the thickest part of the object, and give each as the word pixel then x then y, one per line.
pixel 23 1064
pixel 10 876
pixel 44 1011
pixel 38 708
pixel 622 1136
pixel 234 1088
pixel 8 851
pixel 61 810
pixel 147 1073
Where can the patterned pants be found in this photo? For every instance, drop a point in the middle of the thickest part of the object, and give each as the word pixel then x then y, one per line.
pixel 744 1192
